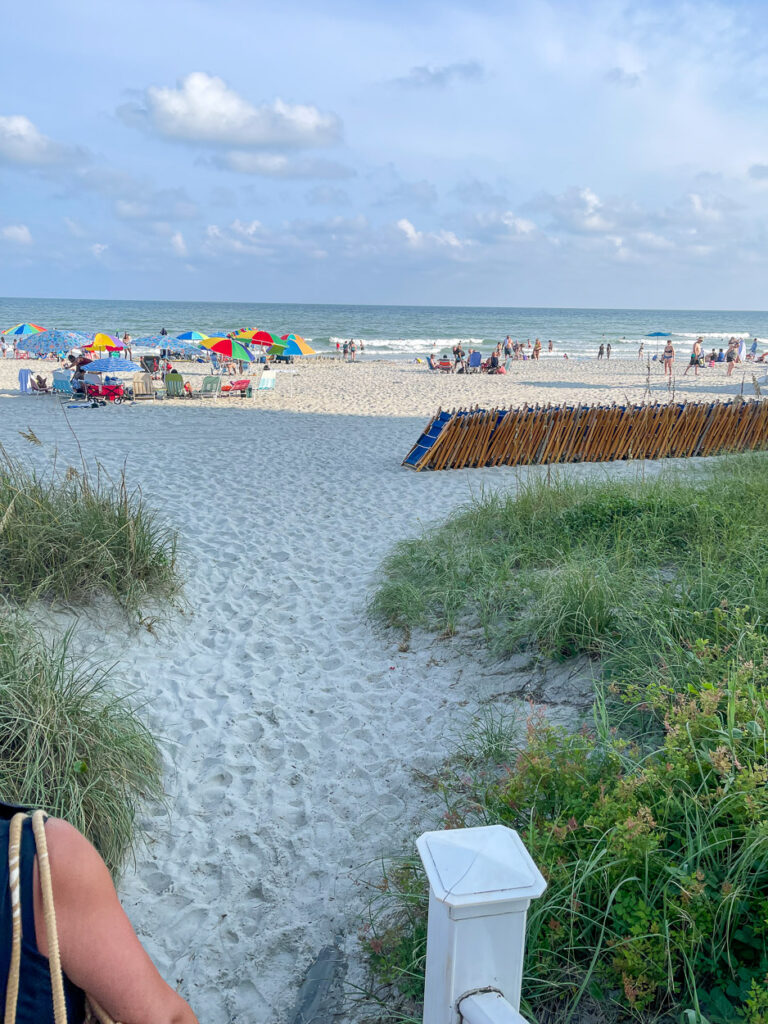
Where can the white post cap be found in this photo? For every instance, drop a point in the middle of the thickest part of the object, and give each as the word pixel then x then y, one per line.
pixel 480 867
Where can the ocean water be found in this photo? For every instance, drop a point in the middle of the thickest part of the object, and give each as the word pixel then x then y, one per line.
pixel 399 331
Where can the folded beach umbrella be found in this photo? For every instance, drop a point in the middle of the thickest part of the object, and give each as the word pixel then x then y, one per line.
pixel 256 337
pixel 296 346
pixel 21 329
pixel 192 336
pixel 229 348
pixel 52 342
pixel 104 343
pixel 113 365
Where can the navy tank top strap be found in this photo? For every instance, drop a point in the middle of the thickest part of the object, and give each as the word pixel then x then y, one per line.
pixel 26 877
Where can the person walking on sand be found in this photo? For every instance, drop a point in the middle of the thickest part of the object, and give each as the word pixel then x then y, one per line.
pixel 601 351
pixel 640 350
pixel 695 358
pixel 668 358
pixel 730 357
pixel 537 350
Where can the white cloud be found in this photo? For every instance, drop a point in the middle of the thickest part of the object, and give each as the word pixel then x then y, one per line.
pixel 419 238
pixel 204 109
pixel 178 244
pixel 98 249
pixel 17 233
pixel 23 144
pixel 276 165
pixel 428 76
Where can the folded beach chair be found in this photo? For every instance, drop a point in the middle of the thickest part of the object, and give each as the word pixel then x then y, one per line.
pixel 62 382
pixel 143 387
pixel 211 387
pixel 474 362
pixel 25 376
pixel 174 385
pixel 267 381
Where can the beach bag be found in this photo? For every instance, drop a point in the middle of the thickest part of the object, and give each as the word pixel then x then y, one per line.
pixel 94 1014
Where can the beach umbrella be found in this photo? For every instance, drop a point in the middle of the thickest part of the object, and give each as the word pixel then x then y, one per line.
pixel 166 341
pixel 51 342
pixel 276 349
pixel 192 336
pixel 113 365
pixel 21 329
pixel 255 337
pixel 104 343
pixel 229 348
pixel 659 334
pixel 296 346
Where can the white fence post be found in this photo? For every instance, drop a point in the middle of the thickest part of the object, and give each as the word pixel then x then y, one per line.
pixel 481 883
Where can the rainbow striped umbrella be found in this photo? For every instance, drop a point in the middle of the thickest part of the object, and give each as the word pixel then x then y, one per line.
pixel 192 336
pixel 21 329
pixel 254 337
pixel 296 346
pixel 229 348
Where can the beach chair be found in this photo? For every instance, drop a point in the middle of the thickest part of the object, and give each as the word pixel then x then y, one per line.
pixel 143 387
pixel 174 385
pixel 267 381
pixel 211 387
pixel 241 387
pixel 25 387
pixel 431 363
pixel 474 362
pixel 62 382
pixel 445 365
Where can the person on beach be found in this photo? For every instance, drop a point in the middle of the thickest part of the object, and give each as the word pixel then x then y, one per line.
pixel 730 357
pixel 640 350
pixel 608 350
pixel 695 358
pixel 601 351
pixel 345 351
pixel 537 350
pixel 100 952
pixel 338 345
pixel 163 331
pixel 352 349
pixel 721 356
pixel 550 346
pixel 362 345
pixel 668 358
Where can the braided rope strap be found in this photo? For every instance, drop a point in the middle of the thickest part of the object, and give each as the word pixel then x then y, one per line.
pixel 14 859
pixel 46 889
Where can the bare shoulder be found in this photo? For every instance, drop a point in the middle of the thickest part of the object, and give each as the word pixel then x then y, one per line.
pixel 74 861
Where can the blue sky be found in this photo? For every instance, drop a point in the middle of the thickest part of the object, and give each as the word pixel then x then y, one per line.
pixel 561 153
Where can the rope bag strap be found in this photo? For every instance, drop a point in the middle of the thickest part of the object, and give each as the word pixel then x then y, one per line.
pixel 46 888
pixel 14 878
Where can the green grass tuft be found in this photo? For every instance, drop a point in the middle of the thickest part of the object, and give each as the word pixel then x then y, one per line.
pixel 68 744
pixel 73 538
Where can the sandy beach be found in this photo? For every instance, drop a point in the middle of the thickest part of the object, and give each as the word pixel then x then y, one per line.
pixel 390 388
pixel 293 731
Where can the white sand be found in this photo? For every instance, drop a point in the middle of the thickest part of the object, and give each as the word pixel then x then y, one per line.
pixel 292 728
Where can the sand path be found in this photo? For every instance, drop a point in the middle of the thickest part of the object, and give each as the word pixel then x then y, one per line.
pixel 291 728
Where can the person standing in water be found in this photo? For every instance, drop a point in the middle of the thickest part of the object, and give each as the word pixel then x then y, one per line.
pixel 608 350
pixel 601 351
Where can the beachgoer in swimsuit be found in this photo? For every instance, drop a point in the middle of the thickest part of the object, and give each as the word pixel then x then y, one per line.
pixel 668 358
pixel 695 358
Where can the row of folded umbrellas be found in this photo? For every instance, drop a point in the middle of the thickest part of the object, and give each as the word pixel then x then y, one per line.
pixel 38 341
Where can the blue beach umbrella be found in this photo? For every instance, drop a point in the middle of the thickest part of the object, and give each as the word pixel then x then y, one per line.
pixel 659 334
pixel 192 336
pixel 112 365
pixel 51 342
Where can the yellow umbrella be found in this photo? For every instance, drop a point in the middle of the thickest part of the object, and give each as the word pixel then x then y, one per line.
pixel 103 343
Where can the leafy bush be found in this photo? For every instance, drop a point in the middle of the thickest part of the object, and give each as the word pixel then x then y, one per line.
pixel 69 745
pixel 70 537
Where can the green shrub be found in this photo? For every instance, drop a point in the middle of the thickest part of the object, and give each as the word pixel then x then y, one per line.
pixel 73 538
pixel 68 744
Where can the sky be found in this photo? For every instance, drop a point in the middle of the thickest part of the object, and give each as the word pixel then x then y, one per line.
pixel 597 154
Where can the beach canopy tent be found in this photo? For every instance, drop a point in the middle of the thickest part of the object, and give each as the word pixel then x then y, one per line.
pixel 113 365
pixel 104 343
pixel 192 336
pixel 296 346
pixel 229 348
pixel 659 334
pixel 21 329
pixel 51 342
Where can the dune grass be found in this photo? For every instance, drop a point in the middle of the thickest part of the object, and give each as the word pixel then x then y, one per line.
pixel 68 744
pixel 650 826
pixel 74 537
